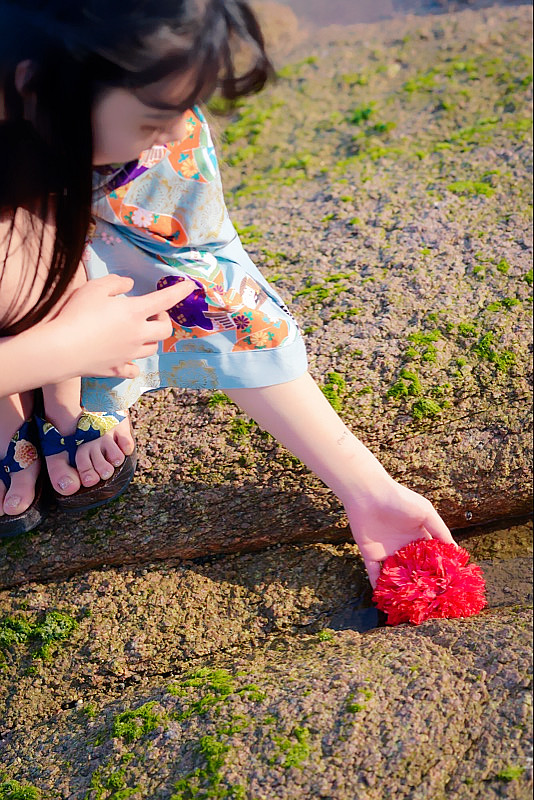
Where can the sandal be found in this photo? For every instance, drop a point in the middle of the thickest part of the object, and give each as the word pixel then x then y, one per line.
pixel 21 453
pixel 90 426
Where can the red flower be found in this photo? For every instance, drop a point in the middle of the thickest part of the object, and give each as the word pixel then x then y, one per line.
pixel 429 579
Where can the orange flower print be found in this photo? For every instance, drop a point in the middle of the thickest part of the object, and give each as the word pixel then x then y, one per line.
pixel 260 338
pixel 188 167
pixel 190 126
pixel 25 453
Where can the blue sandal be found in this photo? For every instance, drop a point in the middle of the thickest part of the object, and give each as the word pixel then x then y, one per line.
pixel 90 426
pixel 22 452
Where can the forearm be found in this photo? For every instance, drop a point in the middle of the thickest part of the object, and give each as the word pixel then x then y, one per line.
pixel 299 416
pixel 41 355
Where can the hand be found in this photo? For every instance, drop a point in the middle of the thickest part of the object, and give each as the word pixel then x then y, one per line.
pixel 389 518
pixel 109 330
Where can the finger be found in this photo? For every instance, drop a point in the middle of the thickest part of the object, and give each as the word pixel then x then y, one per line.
pixel 146 350
pixel 129 371
pixel 114 284
pixel 425 533
pixel 163 299
pixel 373 570
pixel 437 528
pixel 160 327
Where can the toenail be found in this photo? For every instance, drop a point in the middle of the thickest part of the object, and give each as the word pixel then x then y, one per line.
pixel 64 483
pixel 107 474
pixel 117 463
pixel 13 501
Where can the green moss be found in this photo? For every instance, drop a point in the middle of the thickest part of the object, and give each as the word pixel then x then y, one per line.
pixel 506 303
pixel 41 635
pixel 379 128
pixel 215 686
pixel 292 70
pixel 425 337
pixel 206 781
pixel 361 114
pixel 510 773
pixel 348 312
pixel 13 790
pixel 430 354
pixel 241 428
pixel 503 266
pixel 471 188
pixel 219 399
pixel 132 725
pixel 425 82
pixel 528 277
pixel 249 234
pixel 467 329
pixel 109 787
pixel 408 385
pixel 90 710
pixel 325 636
pixel 425 407
pixel 334 390
pixel 355 79
pixel 485 350
pixel 295 748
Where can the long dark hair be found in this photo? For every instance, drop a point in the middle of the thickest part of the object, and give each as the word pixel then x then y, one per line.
pixel 77 48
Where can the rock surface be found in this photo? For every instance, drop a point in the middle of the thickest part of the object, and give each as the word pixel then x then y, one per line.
pixel 396 220
pixel 250 668
pixel 405 251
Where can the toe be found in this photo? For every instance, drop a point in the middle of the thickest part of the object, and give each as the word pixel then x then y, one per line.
pixel 123 437
pixel 112 452
pixel 2 495
pixel 63 477
pixel 21 492
pixel 104 469
pixel 84 464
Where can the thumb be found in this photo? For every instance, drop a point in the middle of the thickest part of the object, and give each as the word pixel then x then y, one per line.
pixel 373 570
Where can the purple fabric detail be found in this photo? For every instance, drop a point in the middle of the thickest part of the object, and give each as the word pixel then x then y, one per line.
pixel 189 312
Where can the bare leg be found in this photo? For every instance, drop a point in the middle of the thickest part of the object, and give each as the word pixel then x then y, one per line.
pixel 14 410
pixel 383 515
pixel 95 459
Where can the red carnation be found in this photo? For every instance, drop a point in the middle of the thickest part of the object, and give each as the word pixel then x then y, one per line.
pixel 429 579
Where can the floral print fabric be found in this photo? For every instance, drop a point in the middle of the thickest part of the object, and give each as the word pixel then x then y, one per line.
pixel 160 220
pixel 21 452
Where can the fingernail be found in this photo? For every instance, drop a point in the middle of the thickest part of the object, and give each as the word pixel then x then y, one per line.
pixel 64 483
pixel 13 501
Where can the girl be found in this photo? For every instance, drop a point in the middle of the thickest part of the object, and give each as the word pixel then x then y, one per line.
pixel 106 95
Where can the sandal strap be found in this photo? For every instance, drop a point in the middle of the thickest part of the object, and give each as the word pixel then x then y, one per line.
pixel 90 426
pixel 21 452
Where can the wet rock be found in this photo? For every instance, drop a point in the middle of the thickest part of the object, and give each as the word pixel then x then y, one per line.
pixel 422 711
pixel 422 316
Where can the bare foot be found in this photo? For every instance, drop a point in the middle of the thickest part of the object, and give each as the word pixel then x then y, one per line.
pixel 14 410
pixel 95 460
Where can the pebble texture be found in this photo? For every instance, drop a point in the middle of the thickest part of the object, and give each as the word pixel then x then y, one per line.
pixel 396 221
pixel 445 703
